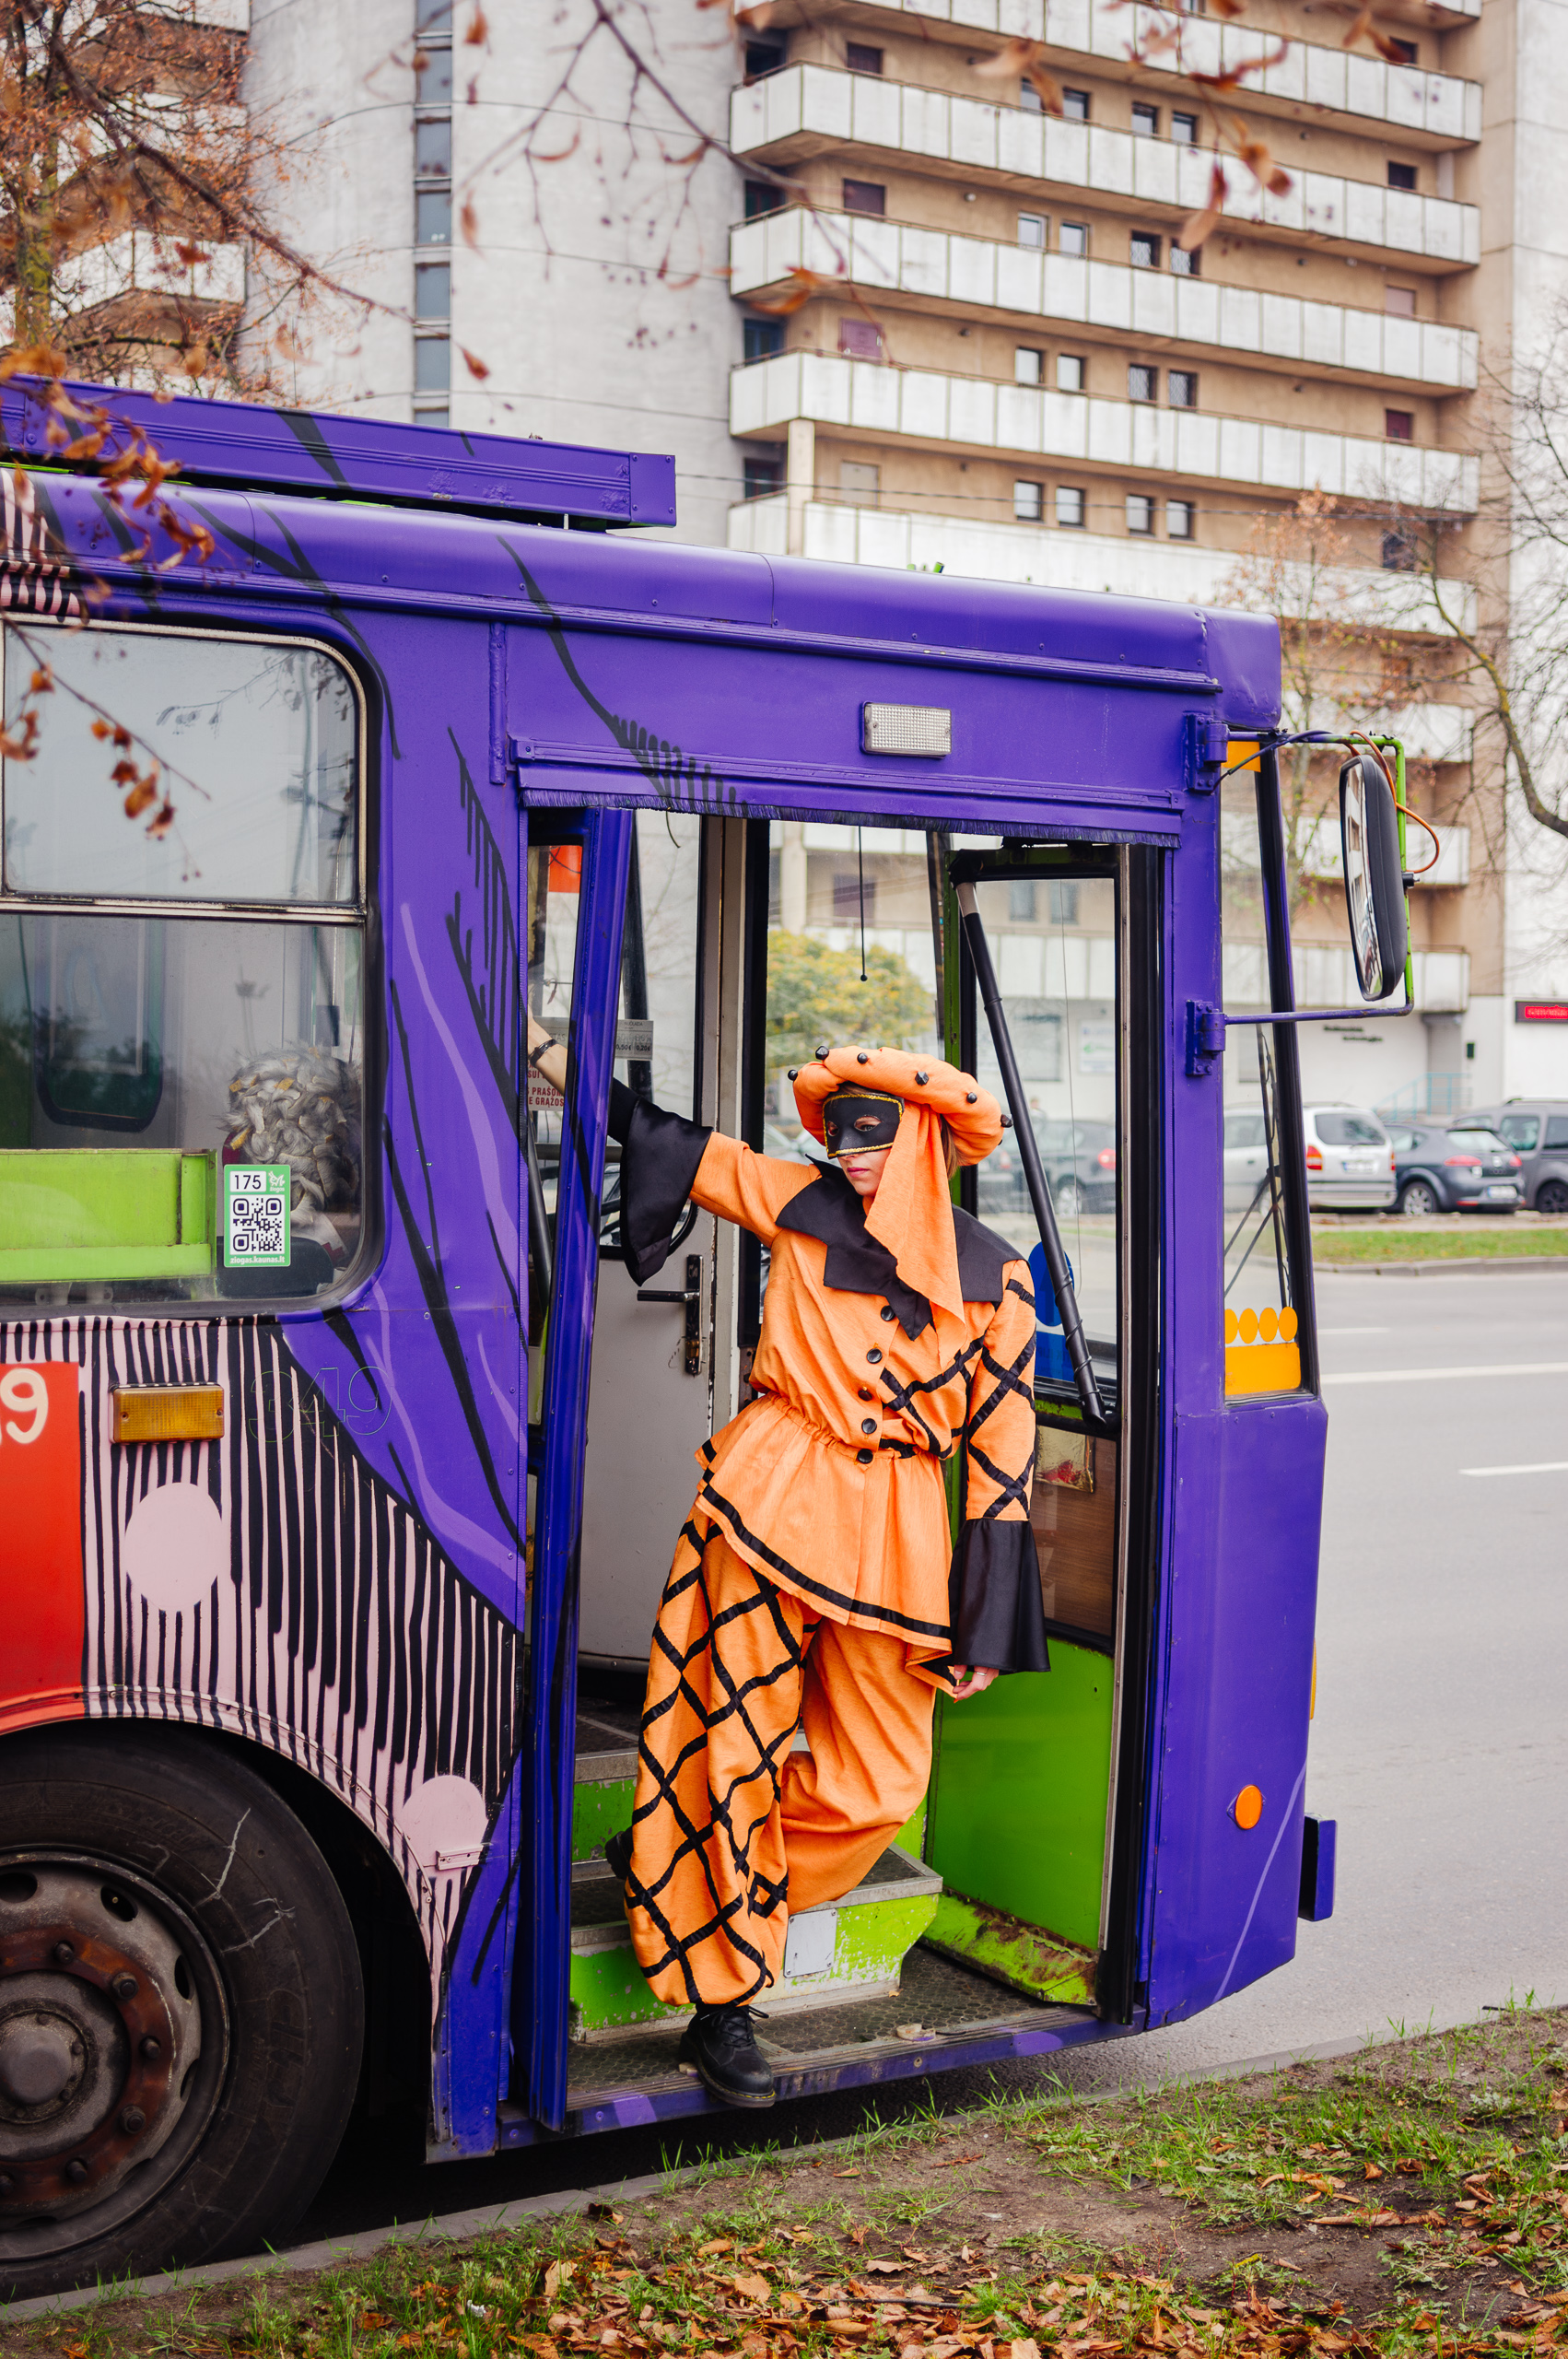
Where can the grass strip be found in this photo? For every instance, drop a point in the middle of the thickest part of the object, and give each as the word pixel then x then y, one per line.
pixel 1411 2200
pixel 1462 1242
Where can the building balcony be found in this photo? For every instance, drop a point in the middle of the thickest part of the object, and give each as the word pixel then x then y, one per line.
pixel 1436 110
pixel 976 550
pixel 1324 976
pixel 1027 422
pixel 139 262
pixel 804 111
pixel 890 262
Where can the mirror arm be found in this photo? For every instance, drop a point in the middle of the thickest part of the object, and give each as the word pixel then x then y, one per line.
pixel 1034 1171
pixel 1206 1026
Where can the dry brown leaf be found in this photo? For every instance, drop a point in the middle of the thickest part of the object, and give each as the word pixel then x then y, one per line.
pixel 1199 226
pixel 847 2174
pixel 751 2287
pixel 468 222
pixel 720 2244
pixel 478 31
pixel 475 365
pixel 560 2273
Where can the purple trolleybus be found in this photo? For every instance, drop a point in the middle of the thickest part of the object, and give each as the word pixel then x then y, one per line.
pixel 341 1456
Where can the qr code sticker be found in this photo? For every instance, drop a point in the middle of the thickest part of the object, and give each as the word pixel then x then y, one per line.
pixel 255 1229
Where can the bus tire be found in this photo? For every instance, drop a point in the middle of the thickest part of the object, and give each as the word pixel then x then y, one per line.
pixel 181 2013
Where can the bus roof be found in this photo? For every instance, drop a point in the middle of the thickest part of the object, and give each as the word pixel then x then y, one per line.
pixel 317 453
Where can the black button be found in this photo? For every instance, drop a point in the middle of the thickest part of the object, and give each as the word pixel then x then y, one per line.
pixel 864 1457
pixel 874 1358
pixel 868 1425
pixel 865 1392
pixel 887 1310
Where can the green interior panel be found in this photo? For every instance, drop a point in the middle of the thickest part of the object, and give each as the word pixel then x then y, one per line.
pixel 1018 1797
pixel 85 1212
pixel 599 1811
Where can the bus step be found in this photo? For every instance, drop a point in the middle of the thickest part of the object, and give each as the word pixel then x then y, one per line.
pixel 853 1948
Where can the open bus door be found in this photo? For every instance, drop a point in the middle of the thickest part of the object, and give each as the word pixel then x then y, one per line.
pixel 1003 1881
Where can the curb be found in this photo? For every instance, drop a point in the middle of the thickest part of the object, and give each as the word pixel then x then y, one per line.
pixel 1476 1265
pixel 457 2228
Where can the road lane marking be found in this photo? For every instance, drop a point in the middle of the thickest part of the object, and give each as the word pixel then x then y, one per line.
pixel 1444 1374
pixel 1543 1466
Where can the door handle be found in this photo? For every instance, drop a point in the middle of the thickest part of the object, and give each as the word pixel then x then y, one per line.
pixel 692 1297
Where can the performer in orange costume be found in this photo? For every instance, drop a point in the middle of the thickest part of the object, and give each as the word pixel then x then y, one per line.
pixel 815 1584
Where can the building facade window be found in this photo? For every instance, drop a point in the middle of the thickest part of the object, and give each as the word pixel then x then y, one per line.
pixel 1142 383
pixel 1399 554
pixel 1181 519
pixel 1028 366
pixel 1145 121
pixel 1139 512
pixel 1183 129
pixel 1184 265
pixel 764 57
pixel 1030 99
pixel 1075 105
pixel 760 476
pixel 761 197
pixel 1031 229
pixel 863 59
pixel 1409 53
pixel 1398 425
pixel 864 196
pixel 1075 237
pixel 1399 302
pixel 762 338
pixel 1143 249
pixel 860 484
pixel 1071 507
pixel 432 214
pixel 1401 175
pixel 1181 388
pixel 1069 373
pixel 860 339
pixel 1028 502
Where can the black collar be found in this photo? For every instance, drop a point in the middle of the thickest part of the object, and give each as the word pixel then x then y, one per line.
pixel 829 1209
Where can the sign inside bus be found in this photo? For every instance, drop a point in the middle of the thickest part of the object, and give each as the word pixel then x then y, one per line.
pixel 1540 1011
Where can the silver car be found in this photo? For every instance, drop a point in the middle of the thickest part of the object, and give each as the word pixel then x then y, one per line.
pixel 1350 1159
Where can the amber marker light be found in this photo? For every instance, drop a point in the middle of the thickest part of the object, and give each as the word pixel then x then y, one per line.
pixel 166 1413
pixel 1247 1808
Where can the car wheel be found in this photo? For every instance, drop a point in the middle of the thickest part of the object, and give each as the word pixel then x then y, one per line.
pixel 1069 1197
pixel 1551 1198
pixel 181 2008
pixel 1418 1200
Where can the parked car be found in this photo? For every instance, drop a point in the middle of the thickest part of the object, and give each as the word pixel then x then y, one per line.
pixel 1461 1167
pixel 1080 1161
pixel 1349 1164
pixel 1536 1130
pixel 1247 1159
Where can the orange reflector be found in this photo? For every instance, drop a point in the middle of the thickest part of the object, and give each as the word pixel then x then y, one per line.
pixel 166 1413
pixel 1247 1808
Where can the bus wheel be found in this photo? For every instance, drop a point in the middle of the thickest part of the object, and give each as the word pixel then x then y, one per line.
pixel 181 2008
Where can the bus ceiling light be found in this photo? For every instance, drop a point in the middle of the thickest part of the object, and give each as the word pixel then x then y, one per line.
pixel 925 729
pixel 166 1413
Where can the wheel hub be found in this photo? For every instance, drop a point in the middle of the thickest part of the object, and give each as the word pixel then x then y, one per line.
pixel 100 2028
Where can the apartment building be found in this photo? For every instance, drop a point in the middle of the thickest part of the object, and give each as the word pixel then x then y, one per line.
pixel 923 320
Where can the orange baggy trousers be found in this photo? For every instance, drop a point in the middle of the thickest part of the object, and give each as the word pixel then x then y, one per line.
pixel 732 1827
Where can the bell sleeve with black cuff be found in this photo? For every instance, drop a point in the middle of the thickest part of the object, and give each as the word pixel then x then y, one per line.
pixel 660 1153
pixel 993 1585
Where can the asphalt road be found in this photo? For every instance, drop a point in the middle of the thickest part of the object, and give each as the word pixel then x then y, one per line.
pixel 1440 1743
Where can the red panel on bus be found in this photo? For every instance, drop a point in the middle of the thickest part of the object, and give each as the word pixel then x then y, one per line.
pixel 44 1613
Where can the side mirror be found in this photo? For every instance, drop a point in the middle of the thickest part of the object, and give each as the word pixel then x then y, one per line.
pixel 1374 883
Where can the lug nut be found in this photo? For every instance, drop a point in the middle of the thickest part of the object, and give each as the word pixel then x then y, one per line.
pixel 132 2120
pixel 150 2047
pixel 65 1953
pixel 123 1986
pixel 77 2170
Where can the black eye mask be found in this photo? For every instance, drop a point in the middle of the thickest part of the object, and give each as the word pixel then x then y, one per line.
pixel 856 1121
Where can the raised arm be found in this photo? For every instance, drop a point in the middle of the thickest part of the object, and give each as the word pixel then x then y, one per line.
pixel 994 1584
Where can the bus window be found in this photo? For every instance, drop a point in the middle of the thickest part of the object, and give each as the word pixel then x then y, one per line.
pixel 182 1023
pixel 1262 1350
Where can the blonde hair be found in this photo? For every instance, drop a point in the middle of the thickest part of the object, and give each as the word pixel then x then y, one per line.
pixel 949 1148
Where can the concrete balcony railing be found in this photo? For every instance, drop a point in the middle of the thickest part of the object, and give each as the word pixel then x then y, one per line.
pixel 806 110
pixel 976 550
pixel 1309 74
pixel 1324 976
pixel 880 257
pixel 1027 423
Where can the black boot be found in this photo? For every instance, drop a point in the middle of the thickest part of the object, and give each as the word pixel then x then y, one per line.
pixel 720 2042
pixel 618 1854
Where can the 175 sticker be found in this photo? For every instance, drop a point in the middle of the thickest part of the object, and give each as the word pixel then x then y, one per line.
pixel 255 1216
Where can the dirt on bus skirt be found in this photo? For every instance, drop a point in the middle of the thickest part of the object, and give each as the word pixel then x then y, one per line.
pixel 1410 2199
